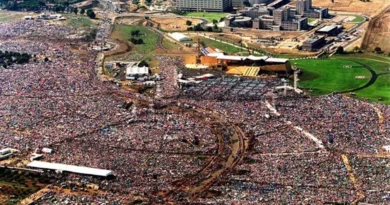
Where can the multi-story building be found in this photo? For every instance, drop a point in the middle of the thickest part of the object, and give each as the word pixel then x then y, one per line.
pixel 284 18
pixel 256 11
pixel 305 8
pixel 204 5
pixel 237 3
pixel 313 43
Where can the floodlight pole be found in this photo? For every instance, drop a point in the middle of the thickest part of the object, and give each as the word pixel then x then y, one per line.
pixel 296 79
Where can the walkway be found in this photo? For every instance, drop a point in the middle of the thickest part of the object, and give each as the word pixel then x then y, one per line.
pixel 351 175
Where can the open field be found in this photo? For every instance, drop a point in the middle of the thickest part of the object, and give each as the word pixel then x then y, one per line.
pixel 138 52
pixel 378 32
pixel 209 16
pixel 11 16
pixel 175 24
pixel 358 19
pixel 326 76
pixel 368 8
pixel 222 46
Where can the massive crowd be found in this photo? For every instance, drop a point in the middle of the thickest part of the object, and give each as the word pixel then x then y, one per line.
pixel 60 104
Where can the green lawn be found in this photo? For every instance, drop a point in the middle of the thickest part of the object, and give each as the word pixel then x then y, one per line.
pixel 309 20
pixel 82 22
pixel 222 46
pixel 326 76
pixel 10 16
pixel 358 19
pixel 209 16
pixel 380 89
pixel 139 52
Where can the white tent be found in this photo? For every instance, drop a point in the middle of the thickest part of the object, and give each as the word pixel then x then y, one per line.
pixel 179 37
pixel 70 168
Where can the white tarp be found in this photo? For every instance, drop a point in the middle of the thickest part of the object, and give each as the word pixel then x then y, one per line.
pixel 70 168
pixel 179 37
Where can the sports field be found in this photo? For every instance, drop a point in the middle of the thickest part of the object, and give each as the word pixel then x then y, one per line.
pixel 209 16
pixel 343 73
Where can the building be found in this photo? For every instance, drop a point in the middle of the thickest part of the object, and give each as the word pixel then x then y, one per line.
pixel 238 21
pixel 305 8
pixel 204 5
pixel 179 37
pixel 133 71
pixel 332 30
pixel 256 11
pixel 283 18
pixel 253 2
pixel 237 4
pixel 70 168
pixel 314 43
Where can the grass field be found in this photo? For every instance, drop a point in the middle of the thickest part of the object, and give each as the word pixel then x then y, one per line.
pixel 326 76
pixel 358 19
pixel 209 16
pixel 309 20
pixel 139 52
pixel 222 46
pixel 80 21
pixel 10 16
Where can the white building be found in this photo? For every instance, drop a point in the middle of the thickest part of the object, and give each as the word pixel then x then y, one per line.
pixel 179 37
pixel 133 71
pixel 70 168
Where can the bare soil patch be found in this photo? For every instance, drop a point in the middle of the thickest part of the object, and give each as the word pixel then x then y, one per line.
pixel 175 24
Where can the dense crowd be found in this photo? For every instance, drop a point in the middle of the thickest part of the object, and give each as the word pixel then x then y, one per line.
pixel 59 103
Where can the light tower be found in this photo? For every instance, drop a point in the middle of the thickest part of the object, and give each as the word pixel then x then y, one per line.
pixel 296 79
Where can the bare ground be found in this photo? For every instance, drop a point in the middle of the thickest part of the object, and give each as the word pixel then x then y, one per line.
pixel 378 32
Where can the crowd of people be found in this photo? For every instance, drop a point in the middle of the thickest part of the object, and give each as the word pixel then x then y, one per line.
pixel 60 104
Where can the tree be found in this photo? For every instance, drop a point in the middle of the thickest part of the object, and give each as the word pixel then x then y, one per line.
pixel 82 12
pixel 188 23
pixel 340 50
pixel 378 50
pixel 75 10
pixel 356 49
pixel 91 14
pixel 215 21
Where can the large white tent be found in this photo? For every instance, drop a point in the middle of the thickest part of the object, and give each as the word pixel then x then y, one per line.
pixel 179 37
pixel 70 168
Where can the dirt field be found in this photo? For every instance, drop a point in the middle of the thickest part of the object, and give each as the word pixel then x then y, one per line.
pixel 367 8
pixel 348 26
pixel 175 24
pixel 378 32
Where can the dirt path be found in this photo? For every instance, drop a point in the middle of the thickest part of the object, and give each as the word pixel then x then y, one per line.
pixel 360 194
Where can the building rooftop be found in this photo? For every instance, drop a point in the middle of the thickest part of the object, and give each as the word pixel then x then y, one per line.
pixel 327 28
pixel 70 168
pixel 314 39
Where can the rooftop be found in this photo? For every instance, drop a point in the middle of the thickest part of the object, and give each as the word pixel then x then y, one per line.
pixel 70 168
